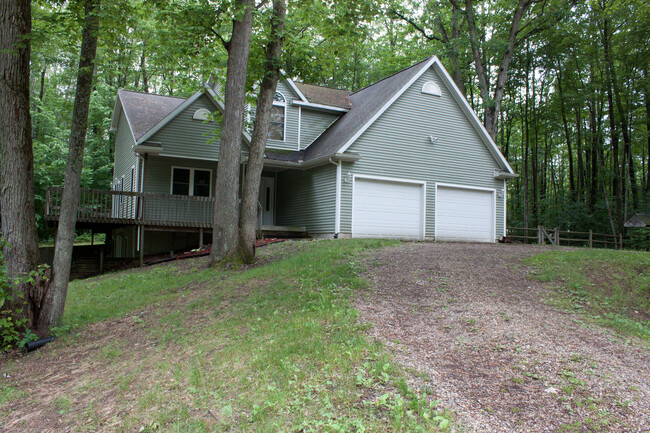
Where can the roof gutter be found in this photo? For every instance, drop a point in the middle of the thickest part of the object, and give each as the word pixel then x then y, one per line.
pixel 320 107
pixel 302 165
pixel 504 175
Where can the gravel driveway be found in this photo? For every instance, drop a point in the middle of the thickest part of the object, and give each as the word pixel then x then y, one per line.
pixel 478 336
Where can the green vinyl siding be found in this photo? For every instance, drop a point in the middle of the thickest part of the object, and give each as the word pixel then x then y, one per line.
pixel 124 158
pixel 158 179
pixel 397 145
pixel 313 124
pixel 290 141
pixel 307 198
pixel 188 138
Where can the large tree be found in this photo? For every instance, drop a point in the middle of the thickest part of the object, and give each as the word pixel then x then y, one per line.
pixel 17 166
pixel 226 212
pixel 58 288
pixel 260 133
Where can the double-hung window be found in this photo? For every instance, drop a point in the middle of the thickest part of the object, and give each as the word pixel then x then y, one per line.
pixel 278 115
pixel 191 181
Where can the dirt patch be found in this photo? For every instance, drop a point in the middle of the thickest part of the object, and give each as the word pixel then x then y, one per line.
pixel 481 338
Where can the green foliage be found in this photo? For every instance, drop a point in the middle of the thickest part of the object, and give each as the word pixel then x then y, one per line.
pixel 611 288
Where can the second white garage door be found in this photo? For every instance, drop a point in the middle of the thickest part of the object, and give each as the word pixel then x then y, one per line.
pixel 464 214
pixel 387 209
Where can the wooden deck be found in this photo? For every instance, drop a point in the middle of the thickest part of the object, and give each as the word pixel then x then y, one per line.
pixel 104 207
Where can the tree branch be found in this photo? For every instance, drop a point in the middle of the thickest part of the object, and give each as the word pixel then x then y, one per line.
pixel 417 27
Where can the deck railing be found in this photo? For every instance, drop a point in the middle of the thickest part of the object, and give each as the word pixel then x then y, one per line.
pixel 148 208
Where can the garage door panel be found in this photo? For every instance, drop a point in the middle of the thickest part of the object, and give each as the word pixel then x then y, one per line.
pixel 464 214
pixel 387 209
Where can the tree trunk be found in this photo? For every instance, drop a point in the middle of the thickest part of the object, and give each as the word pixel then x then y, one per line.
pixel 260 133
pixel 143 68
pixel 567 134
pixel 617 188
pixel 17 166
pixel 647 128
pixel 58 289
pixel 493 105
pixel 226 221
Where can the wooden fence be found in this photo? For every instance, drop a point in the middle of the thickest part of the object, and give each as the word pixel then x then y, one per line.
pixel 104 206
pixel 542 235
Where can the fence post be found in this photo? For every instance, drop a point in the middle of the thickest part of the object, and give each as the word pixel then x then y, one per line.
pixel 556 237
pixel 540 235
pixel 591 238
pixel 620 241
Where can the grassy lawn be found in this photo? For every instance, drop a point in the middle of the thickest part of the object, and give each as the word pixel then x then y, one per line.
pixel 184 348
pixel 608 287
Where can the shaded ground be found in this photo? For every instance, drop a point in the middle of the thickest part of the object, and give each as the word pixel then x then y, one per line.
pixel 478 334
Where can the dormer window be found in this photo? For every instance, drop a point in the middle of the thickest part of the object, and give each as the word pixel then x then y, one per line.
pixel 431 88
pixel 278 117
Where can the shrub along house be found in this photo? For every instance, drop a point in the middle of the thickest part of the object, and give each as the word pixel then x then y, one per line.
pixel 405 157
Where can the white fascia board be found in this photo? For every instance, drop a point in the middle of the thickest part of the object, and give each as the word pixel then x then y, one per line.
pixel 293 86
pixel 478 125
pixel 212 95
pixel 381 111
pixel 320 107
pixel 116 111
pixel 169 117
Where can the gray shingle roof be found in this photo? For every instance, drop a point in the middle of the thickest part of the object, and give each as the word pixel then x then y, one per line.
pixel 365 103
pixel 146 110
pixel 325 95
pixel 639 220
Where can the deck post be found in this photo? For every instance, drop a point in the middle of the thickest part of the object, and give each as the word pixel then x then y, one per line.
pixel 92 237
pixel 101 259
pixel 141 245
pixel 591 238
pixel 200 237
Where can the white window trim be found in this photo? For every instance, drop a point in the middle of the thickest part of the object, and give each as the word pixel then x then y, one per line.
pixel 284 126
pixel 192 170
pixel 422 184
pixel 474 188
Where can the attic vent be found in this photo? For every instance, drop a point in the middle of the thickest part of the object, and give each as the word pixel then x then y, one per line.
pixel 201 114
pixel 431 88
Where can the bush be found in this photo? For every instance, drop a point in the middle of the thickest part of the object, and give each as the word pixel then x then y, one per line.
pixel 12 322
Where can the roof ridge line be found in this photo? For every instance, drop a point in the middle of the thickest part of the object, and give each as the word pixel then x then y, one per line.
pixel 149 94
pixel 391 75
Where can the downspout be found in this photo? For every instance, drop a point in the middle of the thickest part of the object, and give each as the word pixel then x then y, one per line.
pixel 337 215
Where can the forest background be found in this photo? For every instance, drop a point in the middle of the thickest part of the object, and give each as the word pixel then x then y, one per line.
pixel 563 86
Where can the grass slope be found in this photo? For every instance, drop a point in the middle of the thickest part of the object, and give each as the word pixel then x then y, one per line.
pixel 609 287
pixel 270 348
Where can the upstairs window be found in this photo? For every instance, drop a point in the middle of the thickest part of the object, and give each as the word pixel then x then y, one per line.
pixel 191 181
pixel 278 117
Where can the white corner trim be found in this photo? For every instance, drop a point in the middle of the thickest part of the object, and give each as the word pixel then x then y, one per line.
pixel 381 111
pixel 169 117
pixel 337 217
pixel 478 125
pixel 505 206
pixel 299 125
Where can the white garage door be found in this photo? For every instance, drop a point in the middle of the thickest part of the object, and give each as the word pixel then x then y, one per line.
pixel 464 215
pixel 387 209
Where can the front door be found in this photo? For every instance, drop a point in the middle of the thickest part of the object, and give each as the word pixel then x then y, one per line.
pixel 267 200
